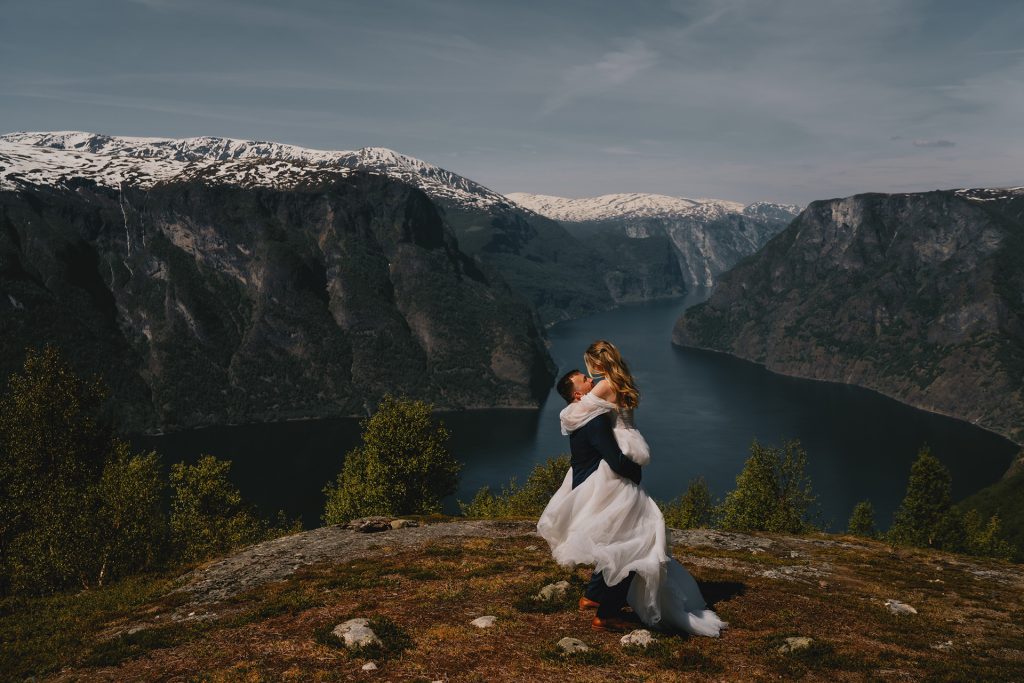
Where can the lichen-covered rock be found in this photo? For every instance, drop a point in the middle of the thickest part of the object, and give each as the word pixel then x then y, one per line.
pixel 795 644
pixel 641 637
pixel 571 645
pixel 356 633
pixel 897 607
pixel 553 591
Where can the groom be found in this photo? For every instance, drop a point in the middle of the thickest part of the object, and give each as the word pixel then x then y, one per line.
pixel 589 445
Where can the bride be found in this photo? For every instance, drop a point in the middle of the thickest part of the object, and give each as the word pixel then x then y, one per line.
pixel 610 522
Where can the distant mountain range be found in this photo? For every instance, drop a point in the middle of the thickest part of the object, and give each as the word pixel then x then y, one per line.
pixel 702 237
pixel 180 267
pixel 917 296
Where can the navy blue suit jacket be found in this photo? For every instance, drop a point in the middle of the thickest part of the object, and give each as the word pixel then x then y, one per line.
pixel 594 442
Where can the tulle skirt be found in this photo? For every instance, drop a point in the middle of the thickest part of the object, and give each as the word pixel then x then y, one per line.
pixel 611 523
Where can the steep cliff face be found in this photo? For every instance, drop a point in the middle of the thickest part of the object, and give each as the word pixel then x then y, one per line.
pixel 560 275
pixel 207 298
pixel 917 296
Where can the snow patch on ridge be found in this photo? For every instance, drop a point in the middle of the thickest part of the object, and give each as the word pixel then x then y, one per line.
pixel 56 157
pixel 638 205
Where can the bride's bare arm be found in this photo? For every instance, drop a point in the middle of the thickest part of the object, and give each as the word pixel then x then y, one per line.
pixel 605 392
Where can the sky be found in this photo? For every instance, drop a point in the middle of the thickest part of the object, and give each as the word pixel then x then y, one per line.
pixel 746 100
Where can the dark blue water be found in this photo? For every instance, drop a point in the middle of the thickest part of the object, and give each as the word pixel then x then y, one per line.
pixel 699 411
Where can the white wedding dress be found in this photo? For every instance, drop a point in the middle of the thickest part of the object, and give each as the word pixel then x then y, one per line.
pixel 611 523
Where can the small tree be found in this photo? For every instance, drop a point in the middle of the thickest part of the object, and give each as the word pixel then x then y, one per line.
pixel 208 516
pixel 401 467
pixel 131 521
pixel 862 521
pixel 923 518
pixel 773 492
pixel 985 538
pixel 528 500
pixel 693 510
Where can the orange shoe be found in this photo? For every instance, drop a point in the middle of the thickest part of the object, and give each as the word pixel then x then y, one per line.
pixel 586 603
pixel 611 624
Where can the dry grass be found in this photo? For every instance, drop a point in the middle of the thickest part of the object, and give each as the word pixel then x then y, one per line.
pixel 432 593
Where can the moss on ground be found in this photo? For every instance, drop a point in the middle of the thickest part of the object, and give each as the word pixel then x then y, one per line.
pixel 421 601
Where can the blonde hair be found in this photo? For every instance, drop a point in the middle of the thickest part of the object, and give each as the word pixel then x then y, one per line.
pixel 602 356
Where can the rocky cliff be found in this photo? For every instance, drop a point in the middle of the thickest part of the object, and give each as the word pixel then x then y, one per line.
pixel 917 296
pixel 252 289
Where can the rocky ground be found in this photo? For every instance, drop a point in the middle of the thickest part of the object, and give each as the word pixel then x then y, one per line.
pixel 815 607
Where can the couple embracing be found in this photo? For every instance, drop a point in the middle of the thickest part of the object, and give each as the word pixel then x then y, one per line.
pixel 601 516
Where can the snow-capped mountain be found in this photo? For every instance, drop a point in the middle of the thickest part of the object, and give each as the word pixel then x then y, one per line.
pixel 639 205
pixel 56 157
pixel 203 297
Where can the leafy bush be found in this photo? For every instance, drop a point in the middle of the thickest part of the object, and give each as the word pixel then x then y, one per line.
pixel 862 520
pixel 693 510
pixel 773 492
pixel 985 538
pixel 208 516
pixel 76 507
pixel 402 467
pixel 528 500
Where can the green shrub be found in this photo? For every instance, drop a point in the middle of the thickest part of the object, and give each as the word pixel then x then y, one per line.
pixel 528 500
pixel 132 523
pixel 402 466
pixel 862 520
pixel 985 539
pixel 208 516
pixel 693 510
pixel 773 493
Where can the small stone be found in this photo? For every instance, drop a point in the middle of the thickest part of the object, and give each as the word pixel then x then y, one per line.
pixel 553 591
pixel 369 666
pixel 531 547
pixel 402 523
pixel 943 646
pixel 369 525
pixel 897 607
pixel 570 645
pixel 822 584
pixel 356 633
pixel 484 622
pixel 795 644
pixel 641 637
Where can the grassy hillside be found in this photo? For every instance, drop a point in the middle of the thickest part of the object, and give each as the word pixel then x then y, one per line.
pixel 421 587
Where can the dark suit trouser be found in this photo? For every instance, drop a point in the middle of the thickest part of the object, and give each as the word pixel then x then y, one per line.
pixel 611 598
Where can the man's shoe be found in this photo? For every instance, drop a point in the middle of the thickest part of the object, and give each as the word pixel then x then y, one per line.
pixel 586 603
pixel 611 624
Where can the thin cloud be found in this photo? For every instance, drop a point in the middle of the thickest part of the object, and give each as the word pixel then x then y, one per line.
pixel 612 69
pixel 934 143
